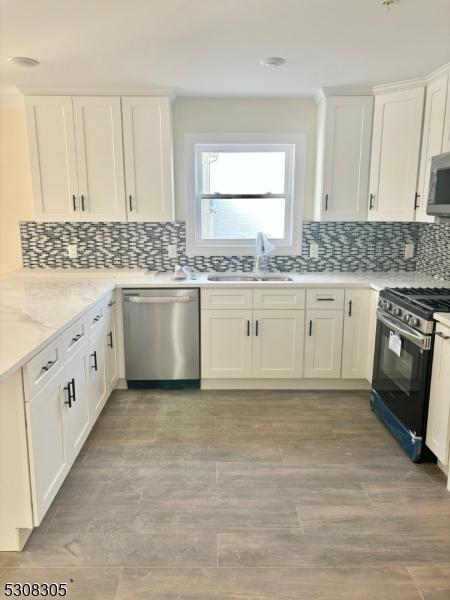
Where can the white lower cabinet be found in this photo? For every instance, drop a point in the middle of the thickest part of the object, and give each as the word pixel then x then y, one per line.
pixel 96 374
pixel 278 343
pixel 112 353
pixel 46 447
pixel 226 343
pixel 75 407
pixel 355 346
pixel 323 344
pixel 438 426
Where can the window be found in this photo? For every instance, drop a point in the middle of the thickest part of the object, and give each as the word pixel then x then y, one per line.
pixel 237 190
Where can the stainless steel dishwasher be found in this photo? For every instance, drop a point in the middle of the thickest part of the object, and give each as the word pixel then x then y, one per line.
pixel 161 330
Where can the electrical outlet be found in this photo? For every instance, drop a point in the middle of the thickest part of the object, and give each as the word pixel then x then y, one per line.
pixel 172 250
pixel 409 250
pixel 314 250
pixel 72 250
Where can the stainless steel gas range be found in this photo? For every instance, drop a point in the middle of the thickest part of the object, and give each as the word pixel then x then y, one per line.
pixel 402 363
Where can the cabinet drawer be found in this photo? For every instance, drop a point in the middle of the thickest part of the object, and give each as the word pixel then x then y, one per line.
pixel 42 368
pixel 279 298
pixel 227 299
pixel 325 298
pixel 74 337
pixel 96 316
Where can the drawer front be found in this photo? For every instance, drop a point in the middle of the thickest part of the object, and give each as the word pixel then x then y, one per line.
pixel 42 368
pixel 227 299
pixel 110 303
pixel 279 298
pixel 96 316
pixel 75 337
pixel 325 298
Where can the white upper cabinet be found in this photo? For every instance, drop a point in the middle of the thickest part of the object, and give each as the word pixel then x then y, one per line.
pixel 147 138
pixel 52 157
pixel 344 156
pixel 98 138
pixel 396 139
pixel 432 139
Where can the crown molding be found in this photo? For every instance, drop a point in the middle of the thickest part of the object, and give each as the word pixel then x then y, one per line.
pixel 51 90
pixel 11 100
pixel 412 83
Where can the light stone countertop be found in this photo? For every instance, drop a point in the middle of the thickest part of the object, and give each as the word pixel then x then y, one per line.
pixel 443 318
pixel 37 305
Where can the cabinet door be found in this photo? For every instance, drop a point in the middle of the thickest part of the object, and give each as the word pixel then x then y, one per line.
pixel 148 158
pixel 438 426
pixel 98 137
pixel 76 417
pixel 433 133
pixel 446 138
pixel 52 157
pixel 355 346
pixel 278 339
pixel 112 355
pixel 348 128
pixel 96 377
pixel 226 343
pixel 397 128
pixel 323 343
pixel 47 454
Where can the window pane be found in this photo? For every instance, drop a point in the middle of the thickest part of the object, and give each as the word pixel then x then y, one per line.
pixel 242 218
pixel 243 172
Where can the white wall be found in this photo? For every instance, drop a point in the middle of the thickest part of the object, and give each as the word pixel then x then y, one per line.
pixel 16 196
pixel 243 115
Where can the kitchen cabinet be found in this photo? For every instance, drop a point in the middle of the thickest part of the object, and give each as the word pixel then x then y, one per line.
pixel 226 346
pixel 77 146
pixel 75 408
pixel 396 137
pixel 355 346
pixel 112 353
pixel 147 137
pixel 432 139
pixel 345 127
pixel 51 138
pixel 278 343
pixel 438 426
pixel 96 377
pixel 98 139
pixel 323 343
pixel 46 447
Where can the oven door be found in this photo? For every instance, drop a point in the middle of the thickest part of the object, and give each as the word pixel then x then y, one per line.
pixel 401 376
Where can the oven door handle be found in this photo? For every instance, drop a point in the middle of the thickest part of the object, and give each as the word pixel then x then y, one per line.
pixel 423 341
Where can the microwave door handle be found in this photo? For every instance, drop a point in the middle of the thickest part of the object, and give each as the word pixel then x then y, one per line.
pixel 408 333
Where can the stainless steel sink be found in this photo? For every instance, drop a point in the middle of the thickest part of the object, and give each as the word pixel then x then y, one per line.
pixel 249 278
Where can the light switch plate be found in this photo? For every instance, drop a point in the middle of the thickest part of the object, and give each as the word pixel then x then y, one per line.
pixel 172 250
pixel 314 250
pixel 409 250
pixel 72 250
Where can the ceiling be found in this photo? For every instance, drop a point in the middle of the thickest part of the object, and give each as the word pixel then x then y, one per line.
pixel 212 47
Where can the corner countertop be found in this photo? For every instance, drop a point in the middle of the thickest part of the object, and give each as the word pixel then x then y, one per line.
pixel 443 318
pixel 37 305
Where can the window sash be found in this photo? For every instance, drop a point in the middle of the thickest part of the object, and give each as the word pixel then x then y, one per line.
pixel 289 151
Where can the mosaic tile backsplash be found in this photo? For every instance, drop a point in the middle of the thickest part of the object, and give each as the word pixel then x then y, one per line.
pixel 344 246
pixel 433 251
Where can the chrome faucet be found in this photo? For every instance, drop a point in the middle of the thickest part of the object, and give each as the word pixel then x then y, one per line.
pixel 262 250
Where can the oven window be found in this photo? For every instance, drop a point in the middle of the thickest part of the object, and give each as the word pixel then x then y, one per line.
pixel 398 369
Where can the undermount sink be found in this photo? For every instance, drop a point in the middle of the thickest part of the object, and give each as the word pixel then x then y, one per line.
pixel 249 278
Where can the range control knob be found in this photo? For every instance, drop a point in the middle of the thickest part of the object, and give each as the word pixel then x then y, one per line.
pixel 387 305
pixel 414 321
pixel 397 311
pixel 407 317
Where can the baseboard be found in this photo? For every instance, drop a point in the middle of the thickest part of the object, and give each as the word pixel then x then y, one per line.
pixel 285 384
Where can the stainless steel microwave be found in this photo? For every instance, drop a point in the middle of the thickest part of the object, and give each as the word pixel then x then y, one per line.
pixel 439 190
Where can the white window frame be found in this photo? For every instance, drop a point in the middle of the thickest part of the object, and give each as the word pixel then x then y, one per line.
pixel 293 145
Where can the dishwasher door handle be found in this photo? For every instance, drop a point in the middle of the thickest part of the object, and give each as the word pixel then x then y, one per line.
pixel 159 299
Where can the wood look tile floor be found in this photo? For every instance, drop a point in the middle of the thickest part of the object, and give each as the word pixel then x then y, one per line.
pixel 191 495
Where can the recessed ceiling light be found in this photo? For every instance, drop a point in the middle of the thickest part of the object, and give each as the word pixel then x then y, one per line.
pixel 272 61
pixel 23 61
